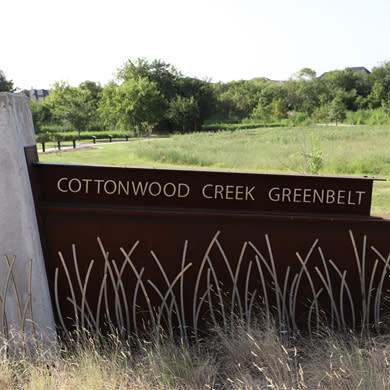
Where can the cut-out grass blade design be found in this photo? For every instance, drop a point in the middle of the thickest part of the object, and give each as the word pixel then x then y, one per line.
pixel 254 283
pixel 23 308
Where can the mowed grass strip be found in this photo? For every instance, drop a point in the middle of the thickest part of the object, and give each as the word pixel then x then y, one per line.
pixel 345 150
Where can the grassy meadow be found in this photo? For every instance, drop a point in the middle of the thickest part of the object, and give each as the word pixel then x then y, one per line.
pixel 329 150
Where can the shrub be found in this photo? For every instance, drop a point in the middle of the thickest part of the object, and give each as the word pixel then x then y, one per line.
pixel 297 118
pixel 368 117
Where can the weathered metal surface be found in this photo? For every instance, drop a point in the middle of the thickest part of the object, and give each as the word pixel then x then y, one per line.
pixel 190 189
pixel 193 247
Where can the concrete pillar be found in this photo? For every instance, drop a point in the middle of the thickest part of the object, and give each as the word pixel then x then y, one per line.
pixel 25 305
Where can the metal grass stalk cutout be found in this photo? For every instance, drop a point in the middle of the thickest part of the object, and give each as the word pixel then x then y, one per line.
pixel 225 303
pixel 22 308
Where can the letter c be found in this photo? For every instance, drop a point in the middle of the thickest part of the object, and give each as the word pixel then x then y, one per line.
pixel 59 184
pixel 204 191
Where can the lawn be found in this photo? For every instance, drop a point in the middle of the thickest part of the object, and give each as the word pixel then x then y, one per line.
pixel 335 150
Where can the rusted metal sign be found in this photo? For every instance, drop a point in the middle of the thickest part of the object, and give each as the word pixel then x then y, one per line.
pixel 184 248
pixel 190 189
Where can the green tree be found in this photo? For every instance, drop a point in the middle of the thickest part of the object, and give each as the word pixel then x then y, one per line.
pixel 363 89
pixel 344 85
pixel 306 74
pixel 377 95
pixel 202 93
pixel 72 105
pixel 385 107
pixel 40 113
pixel 263 110
pixel 164 75
pixel 279 109
pixel 321 114
pixel 337 110
pixel 136 104
pixel 237 99
pixel 342 79
pixel 95 90
pixel 184 112
pixel 170 83
pixel 380 77
pixel 5 85
pixel 108 110
pixel 304 92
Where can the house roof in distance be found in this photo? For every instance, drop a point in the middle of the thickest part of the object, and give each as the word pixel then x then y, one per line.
pixel 355 69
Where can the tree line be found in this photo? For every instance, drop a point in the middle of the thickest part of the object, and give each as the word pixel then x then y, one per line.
pixel 154 96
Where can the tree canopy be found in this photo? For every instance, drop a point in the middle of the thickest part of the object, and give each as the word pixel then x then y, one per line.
pixel 5 85
pixel 73 105
pixel 164 75
pixel 135 105
pixel 155 95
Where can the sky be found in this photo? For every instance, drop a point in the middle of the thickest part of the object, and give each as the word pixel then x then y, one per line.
pixel 44 41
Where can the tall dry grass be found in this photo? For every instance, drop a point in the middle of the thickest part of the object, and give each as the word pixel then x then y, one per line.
pixel 250 357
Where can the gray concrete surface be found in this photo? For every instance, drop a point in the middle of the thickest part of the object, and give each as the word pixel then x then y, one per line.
pixel 25 305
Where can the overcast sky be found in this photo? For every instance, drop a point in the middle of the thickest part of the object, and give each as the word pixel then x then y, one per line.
pixel 43 41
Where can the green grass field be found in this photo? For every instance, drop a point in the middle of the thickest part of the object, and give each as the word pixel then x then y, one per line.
pixel 340 150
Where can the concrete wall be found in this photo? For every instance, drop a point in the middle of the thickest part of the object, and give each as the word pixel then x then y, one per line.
pixel 24 305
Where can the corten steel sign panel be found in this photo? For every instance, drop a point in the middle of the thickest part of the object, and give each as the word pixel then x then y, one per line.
pixel 193 241
pixel 169 188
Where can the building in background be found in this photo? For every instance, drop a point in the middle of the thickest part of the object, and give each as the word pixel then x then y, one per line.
pixel 38 94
